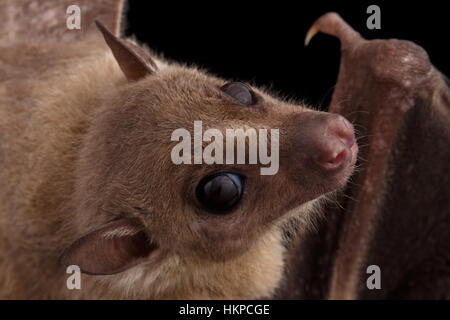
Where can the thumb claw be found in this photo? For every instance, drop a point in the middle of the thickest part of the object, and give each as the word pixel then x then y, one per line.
pixel 331 23
pixel 310 34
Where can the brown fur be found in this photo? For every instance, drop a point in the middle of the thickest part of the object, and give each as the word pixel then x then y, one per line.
pixel 80 146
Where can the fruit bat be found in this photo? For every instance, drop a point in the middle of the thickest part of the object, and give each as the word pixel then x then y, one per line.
pixel 395 214
pixel 87 179
pixel 87 121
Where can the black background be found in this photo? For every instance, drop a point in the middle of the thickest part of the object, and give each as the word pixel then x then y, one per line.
pixel 262 42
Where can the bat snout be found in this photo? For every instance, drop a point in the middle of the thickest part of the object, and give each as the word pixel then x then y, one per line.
pixel 337 148
pixel 324 145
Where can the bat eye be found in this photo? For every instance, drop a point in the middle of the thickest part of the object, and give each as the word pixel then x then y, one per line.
pixel 219 193
pixel 240 92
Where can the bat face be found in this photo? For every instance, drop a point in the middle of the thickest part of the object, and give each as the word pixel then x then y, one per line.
pixel 157 188
pixel 162 190
pixel 209 211
pixel 163 181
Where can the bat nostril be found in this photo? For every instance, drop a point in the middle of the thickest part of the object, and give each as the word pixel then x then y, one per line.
pixel 333 160
pixel 324 141
pixel 336 151
pixel 343 130
pixel 349 140
pixel 338 159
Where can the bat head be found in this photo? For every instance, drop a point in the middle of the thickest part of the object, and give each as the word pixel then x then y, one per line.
pixel 157 164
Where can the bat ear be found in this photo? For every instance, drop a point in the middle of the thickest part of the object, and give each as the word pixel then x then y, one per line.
pixel 110 248
pixel 133 60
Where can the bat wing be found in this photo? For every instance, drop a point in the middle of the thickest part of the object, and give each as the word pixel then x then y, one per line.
pixel 395 213
pixel 47 19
